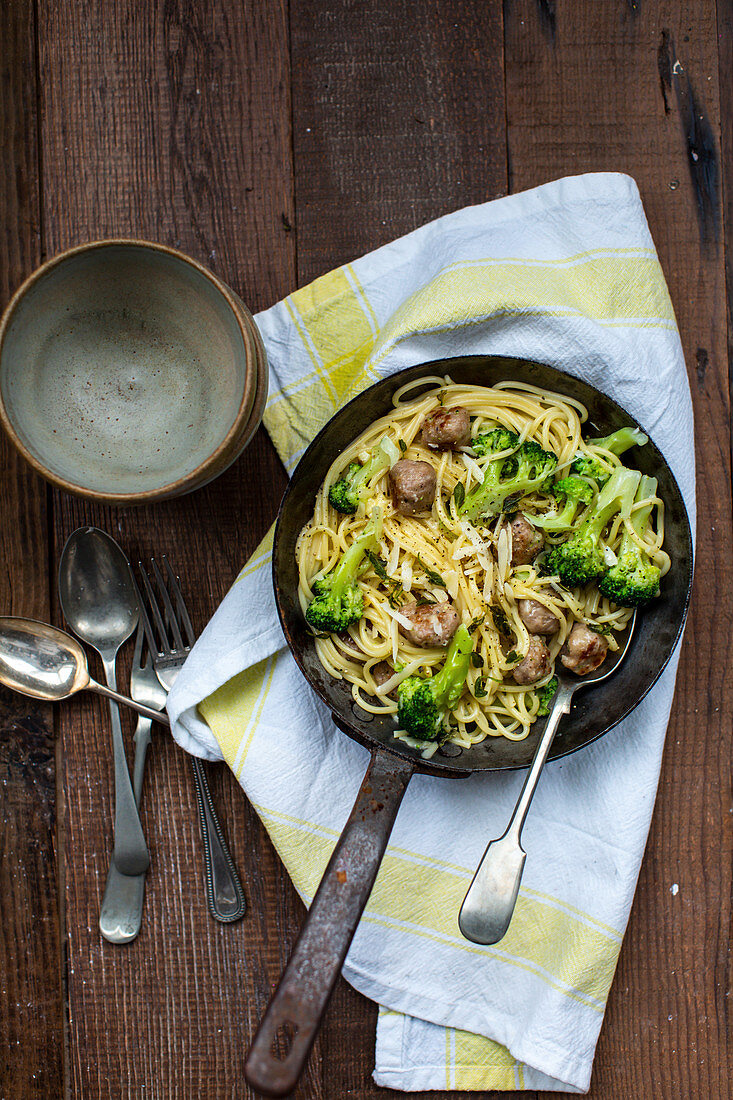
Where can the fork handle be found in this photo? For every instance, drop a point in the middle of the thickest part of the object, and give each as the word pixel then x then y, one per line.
pixel 224 892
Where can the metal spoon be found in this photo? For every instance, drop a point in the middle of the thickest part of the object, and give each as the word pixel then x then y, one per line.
pixel 44 662
pixel 99 600
pixel 489 904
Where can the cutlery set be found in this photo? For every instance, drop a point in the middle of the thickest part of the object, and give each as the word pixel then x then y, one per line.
pixel 103 606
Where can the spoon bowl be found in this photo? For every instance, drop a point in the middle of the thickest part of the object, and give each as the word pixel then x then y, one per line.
pixel 96 589
pixel 41 661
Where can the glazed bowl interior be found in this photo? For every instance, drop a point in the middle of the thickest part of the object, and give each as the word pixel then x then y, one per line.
pixel 123 369
pixel 594 711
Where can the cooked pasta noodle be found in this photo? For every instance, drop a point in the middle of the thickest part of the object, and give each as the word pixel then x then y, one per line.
pixel 471 560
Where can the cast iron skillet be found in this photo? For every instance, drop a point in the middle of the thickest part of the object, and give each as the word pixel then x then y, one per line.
pixel 283 1041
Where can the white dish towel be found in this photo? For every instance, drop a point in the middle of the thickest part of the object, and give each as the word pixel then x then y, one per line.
pixel 566 274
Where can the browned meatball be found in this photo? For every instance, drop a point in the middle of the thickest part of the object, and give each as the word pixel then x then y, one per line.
pixel 535 665
pixel 527 541
pixel 446 429
pixel 584 651
pixel 433 624
pixel 537 618
pixel 412 485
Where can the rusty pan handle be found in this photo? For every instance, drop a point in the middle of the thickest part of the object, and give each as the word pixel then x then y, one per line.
pixel 285 1036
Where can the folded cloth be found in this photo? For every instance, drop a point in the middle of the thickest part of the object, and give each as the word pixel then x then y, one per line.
pixel 566 274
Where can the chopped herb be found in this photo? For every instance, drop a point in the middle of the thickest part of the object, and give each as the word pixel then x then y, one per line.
pixel 379 567
pixel 475 623
pixel 511 502
pixel 441 396
pixel 395 595
pixel 545 696
pixel 403 445
pixel 500 620
pixel 512 657
pixel 430 573
pixel 599 628
pixel 479 688
pixel 459 495
pixel 477 660
pixel 424 599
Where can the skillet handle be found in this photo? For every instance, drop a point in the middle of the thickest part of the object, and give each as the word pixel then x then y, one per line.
pixel 285 1036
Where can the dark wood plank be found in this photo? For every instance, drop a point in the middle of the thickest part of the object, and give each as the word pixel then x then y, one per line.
pixel 605 87
pixel 171 121
pixel 31 997
pixel 398 117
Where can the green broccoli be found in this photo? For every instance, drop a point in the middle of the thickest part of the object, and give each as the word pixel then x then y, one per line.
pixel 422 703
pixel 490 443
pixel 338 600
pixel 352 487
pixel 617 442
pixel 545 695
pixel 581 559
pixel 506 480
pixel 634 579
pixel 574 491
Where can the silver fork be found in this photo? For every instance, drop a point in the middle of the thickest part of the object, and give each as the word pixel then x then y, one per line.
pixel 120 916
pixel 165 636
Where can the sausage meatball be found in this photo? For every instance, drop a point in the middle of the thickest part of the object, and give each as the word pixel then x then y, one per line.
pixel 446 429
pixel 412 485
pixel 527 541
pixel 535 665
pixel 537 618
pixel 433 624
pixel 584 651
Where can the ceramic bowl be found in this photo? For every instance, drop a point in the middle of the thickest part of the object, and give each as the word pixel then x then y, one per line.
pixel 129 373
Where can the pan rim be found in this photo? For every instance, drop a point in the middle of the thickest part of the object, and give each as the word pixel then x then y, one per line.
pixel 439 768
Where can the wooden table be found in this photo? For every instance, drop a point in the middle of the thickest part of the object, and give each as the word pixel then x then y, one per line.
pixel 273 141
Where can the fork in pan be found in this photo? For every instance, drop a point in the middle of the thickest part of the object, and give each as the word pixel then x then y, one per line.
pixel 165 626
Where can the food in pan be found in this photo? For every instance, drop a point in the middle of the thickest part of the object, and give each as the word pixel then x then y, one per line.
pixel 465 543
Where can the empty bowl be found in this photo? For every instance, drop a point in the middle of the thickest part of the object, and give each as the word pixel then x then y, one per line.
pixel 129 373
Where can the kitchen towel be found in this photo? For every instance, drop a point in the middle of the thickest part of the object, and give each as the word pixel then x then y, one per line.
pixel 567 274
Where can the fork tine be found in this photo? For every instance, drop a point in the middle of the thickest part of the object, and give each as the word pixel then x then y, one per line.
pixel 164 647
pixel 170 612
pixel 175 588
pixel 144 617
pixel 137 656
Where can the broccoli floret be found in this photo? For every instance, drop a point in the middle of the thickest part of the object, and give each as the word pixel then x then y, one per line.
pixel 581 560
pixel 545 695
pixel 574 491
pixel 422 703
pixel 506 480
pixel 616 443
pixel 490 443
pixel 634 579
pixel 345 494
pixel 338 600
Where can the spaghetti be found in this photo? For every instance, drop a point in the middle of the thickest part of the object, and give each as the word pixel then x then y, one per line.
pixel 441 556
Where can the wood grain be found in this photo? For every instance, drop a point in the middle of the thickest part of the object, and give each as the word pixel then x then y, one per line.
pixel 611 90
pixel 31 995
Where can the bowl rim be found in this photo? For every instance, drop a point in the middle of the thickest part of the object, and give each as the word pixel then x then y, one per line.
pixel 252 350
